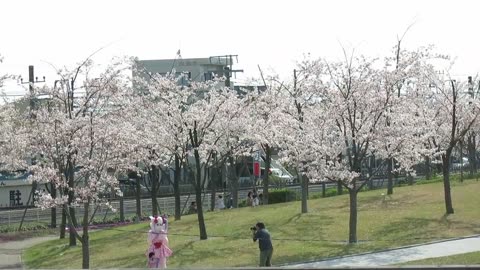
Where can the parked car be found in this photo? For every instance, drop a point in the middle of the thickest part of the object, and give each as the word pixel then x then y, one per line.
pixel 128 187
pixel 282 175
pixel 458 164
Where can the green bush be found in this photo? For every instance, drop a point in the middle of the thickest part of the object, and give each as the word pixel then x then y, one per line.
pixel 281 195
pixel 330 192
pixel 242 203
pixel 25 227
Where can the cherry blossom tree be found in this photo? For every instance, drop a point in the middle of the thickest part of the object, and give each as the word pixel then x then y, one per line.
pixel 281 112
pixel 161 138
pixel 211 116
pixel 199 125
pixel 262 130
pixel 359 114
pixel 453 112
pixel 3 77
pixel 13 136
pixel 80 138
pixel 10 126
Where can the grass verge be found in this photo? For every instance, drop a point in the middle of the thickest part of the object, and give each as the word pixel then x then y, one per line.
pixel 413 214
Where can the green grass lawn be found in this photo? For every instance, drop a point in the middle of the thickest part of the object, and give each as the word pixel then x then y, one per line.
pixel 413 214
pixel 472 258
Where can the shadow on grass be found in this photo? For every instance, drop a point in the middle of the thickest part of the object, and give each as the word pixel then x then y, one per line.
pixel 472 227
pixel 192 253
pixel 293 218
pixel 407 228
pixel 114 239
pixel 412 229
pixel 387 201
pixel 381 200
pixel 322 252
pixel 306 222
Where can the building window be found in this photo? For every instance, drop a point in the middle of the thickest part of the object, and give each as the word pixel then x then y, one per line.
pixel 208 76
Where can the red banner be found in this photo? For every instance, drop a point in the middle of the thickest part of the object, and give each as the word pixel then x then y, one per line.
pixel 256 169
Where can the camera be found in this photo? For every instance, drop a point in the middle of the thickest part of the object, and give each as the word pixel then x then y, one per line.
pixel 253 228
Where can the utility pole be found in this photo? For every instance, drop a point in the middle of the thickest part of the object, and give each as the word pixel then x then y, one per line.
pixel 31 81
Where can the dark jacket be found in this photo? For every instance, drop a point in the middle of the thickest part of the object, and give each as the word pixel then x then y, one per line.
pixel 264 241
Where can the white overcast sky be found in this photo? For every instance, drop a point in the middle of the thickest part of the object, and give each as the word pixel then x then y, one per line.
pixel 272 34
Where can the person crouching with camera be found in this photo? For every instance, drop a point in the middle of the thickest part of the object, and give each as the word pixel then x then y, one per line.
pixel 261 234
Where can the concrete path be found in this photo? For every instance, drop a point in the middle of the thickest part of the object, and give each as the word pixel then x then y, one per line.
pixel 400 255
pixel 11 251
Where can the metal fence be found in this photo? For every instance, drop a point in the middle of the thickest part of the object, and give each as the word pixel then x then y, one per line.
pixel 166 205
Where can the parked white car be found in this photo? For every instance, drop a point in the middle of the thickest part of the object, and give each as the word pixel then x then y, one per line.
pixel 282 175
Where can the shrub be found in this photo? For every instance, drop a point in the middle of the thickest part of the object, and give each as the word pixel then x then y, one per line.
pixel 281 195
pixel 25 227
pixel 330 192
pixel 242 203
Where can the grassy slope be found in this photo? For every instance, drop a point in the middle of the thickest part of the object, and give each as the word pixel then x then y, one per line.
pixel 414 214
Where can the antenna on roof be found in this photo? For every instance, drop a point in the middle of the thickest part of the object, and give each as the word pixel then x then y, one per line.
pixel 177 56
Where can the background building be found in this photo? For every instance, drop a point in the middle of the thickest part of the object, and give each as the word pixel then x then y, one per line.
pixel 14 189
pixel 195 69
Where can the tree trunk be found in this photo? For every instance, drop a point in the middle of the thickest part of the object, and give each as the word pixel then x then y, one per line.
pixel 352 235
pixel 71 211
pixel 410 179
pixel 63 223
pixel 122 210
pixel 472 160
pixel 213 186
pixel 198 182
pixel 176 188
pixel 198 196
pixel 266 180
pixel 85 238
pixel 428 168
pixel 53 221
pixel 370 172
pixel 446 182
pixel 138 201
pixel 339 188
pixel 233 179
pixel 461 160
pixel 201 219
pixel 72 227
pixel 390 176
pixel 323 190
pixel 154 177
pixel 85 251
pixel 304 194
pixel 53 217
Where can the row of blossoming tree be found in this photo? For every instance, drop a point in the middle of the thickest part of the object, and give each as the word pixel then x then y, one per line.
pixel 327 121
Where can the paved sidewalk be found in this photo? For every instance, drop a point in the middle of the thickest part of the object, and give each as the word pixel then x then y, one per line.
pixel 11 251
pixel 400 255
